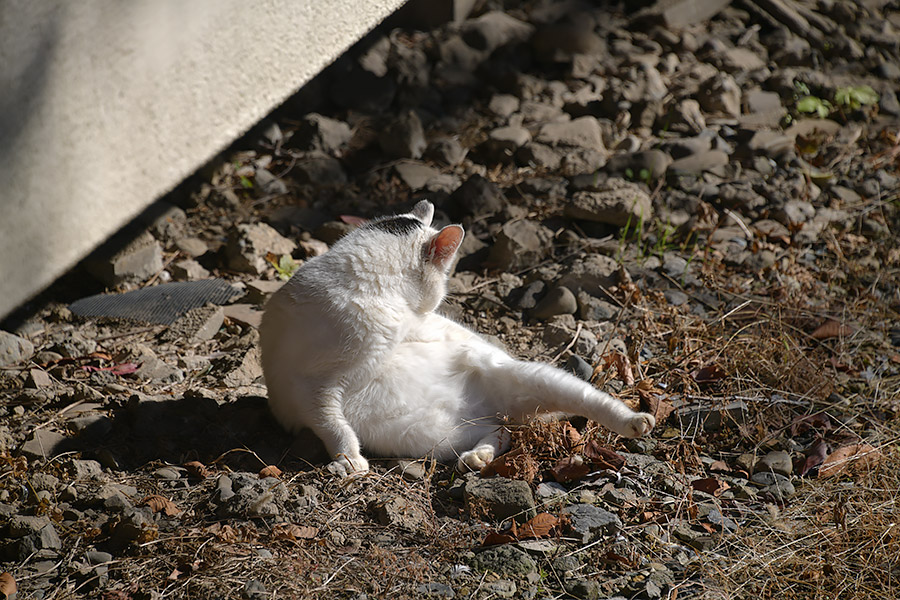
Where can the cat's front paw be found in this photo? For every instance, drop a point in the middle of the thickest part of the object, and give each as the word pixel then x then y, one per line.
pixel 348 466
pixel 475 459
pixel 640 425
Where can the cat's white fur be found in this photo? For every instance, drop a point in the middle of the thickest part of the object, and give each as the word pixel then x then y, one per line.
pixel 352 348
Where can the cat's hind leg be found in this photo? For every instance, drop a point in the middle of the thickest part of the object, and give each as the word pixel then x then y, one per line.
pixel 492 445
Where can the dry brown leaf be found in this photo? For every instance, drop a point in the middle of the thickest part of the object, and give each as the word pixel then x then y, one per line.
pixel 709 374
pixel 540 526
pixel 197 469
pixel 710 485
pixel 159 503
pixel 815 456
pixel 830 329
pixel 603 458
pixel 622 365
pixel 270 471
pixel 495 538
pixel 224 533
pixel 7 585
pixel 652 403
pixel 570 468
pixel 719 466
pixel 293 532
pixel 515 464
pixel 853 457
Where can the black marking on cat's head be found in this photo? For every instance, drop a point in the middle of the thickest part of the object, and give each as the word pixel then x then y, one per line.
pixel 396 225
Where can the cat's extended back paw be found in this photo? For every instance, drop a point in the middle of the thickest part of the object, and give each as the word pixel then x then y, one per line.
pixel 640 425
pixel 475 459
pixel 345 466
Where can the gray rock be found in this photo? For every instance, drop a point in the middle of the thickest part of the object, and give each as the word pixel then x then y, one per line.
pixel 446 150
pixel 254 590
pixel 494 29
pixel 766 478
pixel 697 540
pixel 499 499
pixel 248 245
pixel 721 94
pixel 586 589
pixel 477 196
pixel 318 132
pixel 137 261
pixel 22 525
pixel 188 270
pixel 44 481
pixel 241 369
pixel 684 13
pixel 777 461
pixel 504 588
pixel 197 324
pixel 415 174
pixel 503 105
pixel 721 522
pixel 675 297
pixel 740 60
pixel 634 165
pixel 267 183
pixel 503 142
pixel 539 156
pixel 192 246
pixel 167 473
pixel 558 301
pixel 44 444
pixel 580 368
pixel 795 211
pixel 84 469
pixel 696 164
pixel 526 297
pixel 399 512
pixel 681 147
pixel 14 349
pixel 589 274
pixel 584 132
pixel 781 490
pixel 436 589
pixel 404 138
pixel 154 369
pixel 320 170
pixel 617 202
pixel 504 560
pixel 772 144
pixel 591 522
pixel 594 309
pixel 520 244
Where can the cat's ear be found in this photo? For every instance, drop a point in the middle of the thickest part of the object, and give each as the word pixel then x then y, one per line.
pixel 423 211
pixel 442 247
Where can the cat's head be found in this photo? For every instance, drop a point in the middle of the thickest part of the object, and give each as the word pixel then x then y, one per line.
pixel 417 258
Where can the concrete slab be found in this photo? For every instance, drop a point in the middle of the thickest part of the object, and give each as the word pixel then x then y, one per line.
pixel 107 105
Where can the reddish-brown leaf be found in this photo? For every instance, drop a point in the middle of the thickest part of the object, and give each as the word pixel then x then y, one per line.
pixel 719 466
pixel 495 538
pixel 603 458
pixel 570 468
pixel 831 329
pixel 710 485
pixel 815 456
pixel 7 585
pixel 855 457
pixel 270 471
pixel 293 532
pixel 655 404
pixel 540 526
pixel 162 504
pixel 197 469
pixel 709 374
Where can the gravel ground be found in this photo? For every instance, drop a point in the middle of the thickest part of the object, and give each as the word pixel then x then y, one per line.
pixel 694 204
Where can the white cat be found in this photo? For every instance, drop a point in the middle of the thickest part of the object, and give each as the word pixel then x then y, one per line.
pixel 352 348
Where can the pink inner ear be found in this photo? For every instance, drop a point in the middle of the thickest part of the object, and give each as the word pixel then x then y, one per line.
pixel 354 220
pixel 445 244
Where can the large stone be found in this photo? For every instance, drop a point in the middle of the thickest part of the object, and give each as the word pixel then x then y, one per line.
pixel 137 261
pixel 590 274
pixel 14 349
pixel 505 560
pixel 617 202
pixel 248 245
pixel 405 137
pixel 584 132
pixel 478 197
pixel 499 499
pixel 684 13
pixel 520 244
pixel 591 522
pixel 494 29
pixel 317 132
pixel 721 94
pixel 44 444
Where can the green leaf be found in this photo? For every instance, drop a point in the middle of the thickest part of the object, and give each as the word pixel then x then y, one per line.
pixel 813 104
pixel 245 182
